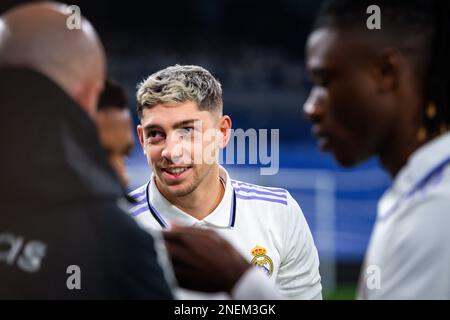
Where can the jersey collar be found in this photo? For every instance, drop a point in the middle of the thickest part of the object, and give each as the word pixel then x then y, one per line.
pixel 165 212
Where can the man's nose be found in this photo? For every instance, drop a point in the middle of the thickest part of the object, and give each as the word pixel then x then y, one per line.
pixel 313 108
pixel 173 149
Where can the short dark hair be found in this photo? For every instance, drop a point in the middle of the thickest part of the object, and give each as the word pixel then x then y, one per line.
pixel 407 18
pixel 113 96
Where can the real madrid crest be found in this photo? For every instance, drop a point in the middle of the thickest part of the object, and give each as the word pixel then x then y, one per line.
pixel 261 260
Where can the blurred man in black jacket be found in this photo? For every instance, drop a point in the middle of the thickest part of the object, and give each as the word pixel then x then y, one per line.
pixel 62 231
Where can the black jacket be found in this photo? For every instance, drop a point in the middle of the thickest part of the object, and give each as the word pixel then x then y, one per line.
pixel 59 203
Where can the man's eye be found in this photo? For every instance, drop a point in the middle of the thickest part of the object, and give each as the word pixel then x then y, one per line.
pixel 155 136
pixel 187 130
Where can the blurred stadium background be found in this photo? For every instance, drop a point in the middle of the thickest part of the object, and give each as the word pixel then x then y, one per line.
pixel 256 49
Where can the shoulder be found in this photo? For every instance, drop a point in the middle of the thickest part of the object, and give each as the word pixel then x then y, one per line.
pixel 440 183
pixel 272 200
pixel 414 250
pixel 257 193
pixel 430 215
pixel 114 224
pixel 129 254
pixel 423 227
pixel 139 193
pixel 429 205
pixel 118 236
pixel 139 196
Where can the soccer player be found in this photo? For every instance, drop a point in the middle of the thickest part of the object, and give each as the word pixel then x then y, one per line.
pixel 386 93
pixel 114 124
pixel 182 129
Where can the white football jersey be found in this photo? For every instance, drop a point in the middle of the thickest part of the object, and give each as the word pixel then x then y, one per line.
pixel 266 225
pixel 409 251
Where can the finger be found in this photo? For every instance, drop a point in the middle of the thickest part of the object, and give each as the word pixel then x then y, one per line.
pixel 185 277
pixel 173 224
pixel 188 235
pixel 188 230
pixel 179 255
pixel 171 235
pixel 178 234
pixel 192 279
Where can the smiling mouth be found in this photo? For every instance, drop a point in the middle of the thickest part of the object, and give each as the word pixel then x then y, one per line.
pixel 175 172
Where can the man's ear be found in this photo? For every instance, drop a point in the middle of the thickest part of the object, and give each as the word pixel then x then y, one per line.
pixel 141 136
pixel 224 126
pixel 387 70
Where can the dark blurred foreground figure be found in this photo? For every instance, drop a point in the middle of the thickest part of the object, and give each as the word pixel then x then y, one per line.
pixel 376 93
pixel 386 93
pixel 62 232
pixel 115 127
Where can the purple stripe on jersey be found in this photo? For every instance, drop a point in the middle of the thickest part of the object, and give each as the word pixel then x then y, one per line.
pixel 241 196
pixel 434 173
pixel 267 193
pixel 234 182
pixel 143 200
pixel 437 178
pixel 137 195
pixel 139 211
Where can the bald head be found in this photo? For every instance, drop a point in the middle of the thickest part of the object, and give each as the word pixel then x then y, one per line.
pixel 36 36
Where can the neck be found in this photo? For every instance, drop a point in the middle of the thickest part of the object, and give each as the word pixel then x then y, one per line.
pixel 204 199
pixel 395 154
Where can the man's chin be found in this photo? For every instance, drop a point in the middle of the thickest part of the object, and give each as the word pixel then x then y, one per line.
pixel 347 160
pixel 175 189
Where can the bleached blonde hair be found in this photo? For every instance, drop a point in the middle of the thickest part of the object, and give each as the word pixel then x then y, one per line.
pixel 180 83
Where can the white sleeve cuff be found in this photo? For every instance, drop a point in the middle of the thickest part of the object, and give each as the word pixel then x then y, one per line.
pixel 254 285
